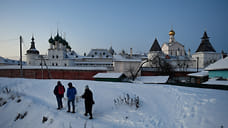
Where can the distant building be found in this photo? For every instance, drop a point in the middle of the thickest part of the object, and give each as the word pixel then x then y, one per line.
pixel 60 54
pixel 218 69
pixel 174 53
pixel 205 54
pixel 5 61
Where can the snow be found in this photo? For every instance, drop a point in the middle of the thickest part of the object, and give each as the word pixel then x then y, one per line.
pixel 53 67
pixel 152 79
pixel 219 65
pixel 161 106
pixel 124 59
pixel 199 74
pixel 108 75
pixel 214 81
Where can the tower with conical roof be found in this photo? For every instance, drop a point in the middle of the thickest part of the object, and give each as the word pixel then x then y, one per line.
pixel 155 50
pixel 205 45
pixel 32 53
pixel 205 53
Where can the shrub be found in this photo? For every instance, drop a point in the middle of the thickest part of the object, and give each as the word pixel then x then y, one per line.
pixel 126 99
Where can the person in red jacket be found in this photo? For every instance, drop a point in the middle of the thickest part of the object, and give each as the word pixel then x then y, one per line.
pixel 59 93
pixel 88 96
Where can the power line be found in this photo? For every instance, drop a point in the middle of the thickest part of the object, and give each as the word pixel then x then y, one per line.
pixel 9 40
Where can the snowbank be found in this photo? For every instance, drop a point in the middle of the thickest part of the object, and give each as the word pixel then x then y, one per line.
pixel 161 106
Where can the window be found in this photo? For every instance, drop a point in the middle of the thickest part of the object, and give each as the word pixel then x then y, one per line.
pixel 92 55
pixel 56 64
pixel 57 56
pixel 95 53
pixel 53 64
pixel 65 64
pixel 53 56
pixel 103 53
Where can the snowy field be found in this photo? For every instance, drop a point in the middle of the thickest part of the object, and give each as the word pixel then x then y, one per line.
pixel 29 103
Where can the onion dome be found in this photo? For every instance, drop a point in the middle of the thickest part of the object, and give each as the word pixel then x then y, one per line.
pixel 68 46
pixel 64 42
pixel 32 49
pixel 171 32
pixel 51 40
pixel 57 37
pixel 111 50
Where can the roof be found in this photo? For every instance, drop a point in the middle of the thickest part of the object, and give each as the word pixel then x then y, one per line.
pixel 221 64
pixel 205 45
pixel 6 61
pixel 155 46
pixel 108 75
pixel 120 58
pixel 152 79
pixel 199 74
pixel 55 68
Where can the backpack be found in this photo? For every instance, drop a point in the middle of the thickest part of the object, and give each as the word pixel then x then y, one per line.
pixel 61 90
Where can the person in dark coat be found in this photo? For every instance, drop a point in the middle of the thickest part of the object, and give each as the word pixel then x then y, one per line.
pixel 59 93
pixel 88 96
pixel 71 92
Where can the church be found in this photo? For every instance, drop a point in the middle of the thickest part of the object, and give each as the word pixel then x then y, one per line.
pixel 60 54
pixel 174 53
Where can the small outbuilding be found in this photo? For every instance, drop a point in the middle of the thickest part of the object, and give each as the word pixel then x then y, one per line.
pixel 198 77
pixel 112 77
pixel 218 69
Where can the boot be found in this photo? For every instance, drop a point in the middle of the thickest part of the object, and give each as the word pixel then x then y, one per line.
pixel 73 110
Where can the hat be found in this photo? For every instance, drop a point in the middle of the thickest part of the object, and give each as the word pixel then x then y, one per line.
pixel 87 86
pixel 70 84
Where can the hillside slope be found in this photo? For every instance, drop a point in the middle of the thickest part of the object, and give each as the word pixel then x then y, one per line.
pixel 25 103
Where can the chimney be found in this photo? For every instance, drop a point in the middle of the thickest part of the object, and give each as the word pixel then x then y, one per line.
pixel 130 52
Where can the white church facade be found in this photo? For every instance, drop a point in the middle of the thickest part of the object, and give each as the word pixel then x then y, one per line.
pixel 174 53
pixel 60 54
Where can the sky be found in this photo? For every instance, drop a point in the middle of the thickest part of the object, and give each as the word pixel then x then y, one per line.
pixel 122 24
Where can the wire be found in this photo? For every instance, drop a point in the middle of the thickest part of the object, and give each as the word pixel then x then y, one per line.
pixel 8 40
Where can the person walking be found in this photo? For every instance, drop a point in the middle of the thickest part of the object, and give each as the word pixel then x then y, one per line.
pixel 71 92
pixel 88 96
pixel 59 93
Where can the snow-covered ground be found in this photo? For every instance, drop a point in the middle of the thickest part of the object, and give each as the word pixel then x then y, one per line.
pixel 25 102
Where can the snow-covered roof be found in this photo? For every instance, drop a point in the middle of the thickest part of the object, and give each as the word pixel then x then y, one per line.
pixel 54 67
pixel 10 61
pixel 221 64
pixel 152 79
pixel 199 74
pixel 214 81
pixel 108 75
pixel 93 62
pixel 121 58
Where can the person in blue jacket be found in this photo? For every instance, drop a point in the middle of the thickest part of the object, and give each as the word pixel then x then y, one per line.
pixel 71 92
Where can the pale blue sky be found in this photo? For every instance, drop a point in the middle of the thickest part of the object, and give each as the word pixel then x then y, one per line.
pixel 124 24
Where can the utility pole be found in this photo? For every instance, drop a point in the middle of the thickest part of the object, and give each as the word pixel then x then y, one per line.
pixel 197 64
pixel 21 71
